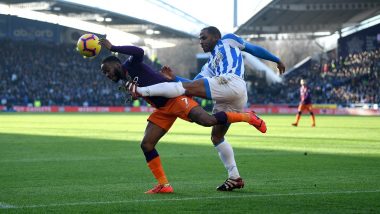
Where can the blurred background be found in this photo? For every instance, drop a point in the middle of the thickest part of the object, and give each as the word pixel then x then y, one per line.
pixel 333 44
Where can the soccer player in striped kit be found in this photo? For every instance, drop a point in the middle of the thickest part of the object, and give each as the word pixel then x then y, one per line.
pixel 305 103
pixel 221 80
pixel 167 109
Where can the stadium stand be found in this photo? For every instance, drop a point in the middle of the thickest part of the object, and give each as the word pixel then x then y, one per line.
pixel 347 81
pixel 54 75
pixel 49 73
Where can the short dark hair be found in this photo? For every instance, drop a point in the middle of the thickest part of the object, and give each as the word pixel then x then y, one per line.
pixel 111 58
pixel 213 31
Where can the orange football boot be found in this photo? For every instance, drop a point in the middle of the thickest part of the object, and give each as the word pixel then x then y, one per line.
pixel 161 188
pixel 257 122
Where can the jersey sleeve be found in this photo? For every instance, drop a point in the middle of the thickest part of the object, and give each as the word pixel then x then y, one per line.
pixel 136 52
pixel 257 51
pixel 199 76
pixel 260 52
pixel 234 41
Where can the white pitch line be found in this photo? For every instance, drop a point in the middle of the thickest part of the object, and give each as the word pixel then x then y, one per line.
pixel 185 199
pixel 6 206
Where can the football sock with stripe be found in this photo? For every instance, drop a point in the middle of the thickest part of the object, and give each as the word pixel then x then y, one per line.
pixel 231 117
pixel 154 164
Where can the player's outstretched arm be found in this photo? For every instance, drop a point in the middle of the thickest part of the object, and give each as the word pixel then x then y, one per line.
pixel 136 52
pixel 105 43
pixel 262 53
pixel 255 50
pixel 281 67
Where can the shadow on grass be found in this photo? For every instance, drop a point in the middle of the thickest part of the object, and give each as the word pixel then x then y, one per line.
pixel 24 147
pixel 48 170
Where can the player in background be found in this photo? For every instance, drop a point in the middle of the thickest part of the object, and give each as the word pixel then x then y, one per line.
pixel 167 109
pixel 305 103
pixel 221 80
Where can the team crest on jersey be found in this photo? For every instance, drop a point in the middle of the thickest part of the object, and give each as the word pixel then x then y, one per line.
pixel 215 62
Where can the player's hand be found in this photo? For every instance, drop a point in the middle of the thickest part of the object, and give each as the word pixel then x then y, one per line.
pixel 132 89
pixel 167 72
pixel 281 67
pixel 105 43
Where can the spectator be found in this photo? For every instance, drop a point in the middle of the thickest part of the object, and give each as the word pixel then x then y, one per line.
pixel 53 74
pixel 57 75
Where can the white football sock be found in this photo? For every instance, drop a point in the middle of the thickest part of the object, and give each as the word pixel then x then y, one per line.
pixel 226 154
pixel 165 89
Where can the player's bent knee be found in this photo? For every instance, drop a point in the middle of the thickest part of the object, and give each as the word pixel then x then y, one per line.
pixel 146 147
pixel 216 140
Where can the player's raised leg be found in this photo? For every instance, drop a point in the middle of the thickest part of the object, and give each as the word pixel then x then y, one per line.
pixel 249 117
pixel 165 89
pixel 201 117
pixel 174 89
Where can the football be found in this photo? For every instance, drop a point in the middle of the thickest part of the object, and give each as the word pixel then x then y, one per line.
pixel 88 46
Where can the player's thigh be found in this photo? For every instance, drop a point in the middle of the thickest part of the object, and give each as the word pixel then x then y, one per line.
pixel 196 88
pixel 176 107
pixel 201 117
pixel 153 133
pixel 180 107
pixel 305 107
pixel 162 118
pixel 234 105
pixel 301 107
pixel 310 108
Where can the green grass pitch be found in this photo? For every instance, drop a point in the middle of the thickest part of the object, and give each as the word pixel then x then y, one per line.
pixel 92 163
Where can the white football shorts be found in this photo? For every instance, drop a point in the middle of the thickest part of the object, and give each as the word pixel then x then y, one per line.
pixel 229 93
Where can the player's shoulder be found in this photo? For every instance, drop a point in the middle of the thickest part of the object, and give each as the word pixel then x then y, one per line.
pixel 233 40
pixel 231 36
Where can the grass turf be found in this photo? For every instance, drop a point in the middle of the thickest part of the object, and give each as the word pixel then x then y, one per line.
pixel 92 163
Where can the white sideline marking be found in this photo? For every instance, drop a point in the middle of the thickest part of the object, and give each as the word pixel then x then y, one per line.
pixel 6 206
pixel 183 199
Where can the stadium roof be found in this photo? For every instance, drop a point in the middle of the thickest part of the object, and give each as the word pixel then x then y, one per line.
pixel 119 21
pixel 279 16
pixel 309 16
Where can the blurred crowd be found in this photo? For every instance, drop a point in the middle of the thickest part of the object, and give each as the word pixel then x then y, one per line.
pixel 54 75
pixel 354 79
pixel 57 75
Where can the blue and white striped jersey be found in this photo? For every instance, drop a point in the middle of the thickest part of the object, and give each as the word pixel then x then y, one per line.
pixel 225 58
